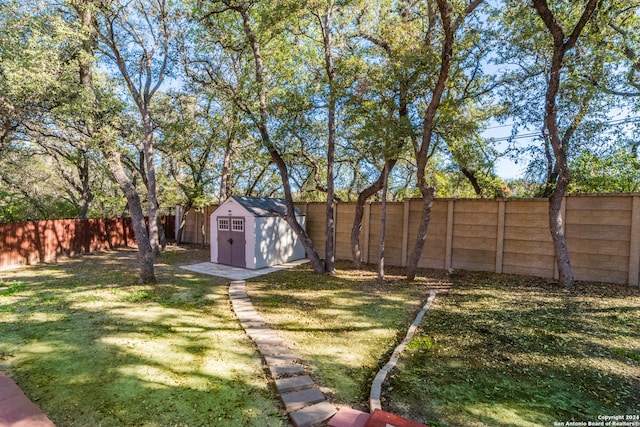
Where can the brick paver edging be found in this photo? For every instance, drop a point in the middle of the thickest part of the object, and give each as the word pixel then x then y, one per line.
pixel 376 387
pixel 16 409
pixel 304 402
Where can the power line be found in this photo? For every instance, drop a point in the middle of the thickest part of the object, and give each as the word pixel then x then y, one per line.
pixel 616 122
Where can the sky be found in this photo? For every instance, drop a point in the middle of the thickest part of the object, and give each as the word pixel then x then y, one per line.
pixel 505 167
pixel 621 120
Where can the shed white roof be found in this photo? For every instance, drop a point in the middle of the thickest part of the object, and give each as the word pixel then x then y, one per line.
pixel 264 206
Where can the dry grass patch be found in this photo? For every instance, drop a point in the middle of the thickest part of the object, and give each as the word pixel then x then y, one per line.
pixel 514 351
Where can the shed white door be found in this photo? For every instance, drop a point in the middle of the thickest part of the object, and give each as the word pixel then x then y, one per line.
pixel 231 241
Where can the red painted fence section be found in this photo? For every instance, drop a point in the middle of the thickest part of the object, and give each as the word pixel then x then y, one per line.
pixel 46 241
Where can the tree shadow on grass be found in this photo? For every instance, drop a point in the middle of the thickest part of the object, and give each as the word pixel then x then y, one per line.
pixel 100 353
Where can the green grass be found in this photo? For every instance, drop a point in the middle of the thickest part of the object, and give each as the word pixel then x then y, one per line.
pixel 344 326
pixel 93 348
pixel 492 351
pixel 12 288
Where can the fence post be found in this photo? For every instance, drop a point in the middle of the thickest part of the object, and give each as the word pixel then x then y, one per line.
pixel 405 233
pixel 448 262
pixel 365 231
pixel 500 236
pixel 634 243
pixel 335 229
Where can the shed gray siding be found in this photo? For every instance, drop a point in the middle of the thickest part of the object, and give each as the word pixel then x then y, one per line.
pixel 276 243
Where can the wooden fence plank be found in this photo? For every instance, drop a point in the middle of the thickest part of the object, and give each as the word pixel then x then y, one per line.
pixel 504 236
pixel 46 241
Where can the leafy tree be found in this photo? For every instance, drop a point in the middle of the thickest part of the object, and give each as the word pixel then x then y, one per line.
pixel 137 37
pixel 102 116
pixel 39 69
pixel 607 171
pixel 563 42
pixel 325 22
pixel 390 66
pixel 195 133
pixel 256 27
pixel 452 18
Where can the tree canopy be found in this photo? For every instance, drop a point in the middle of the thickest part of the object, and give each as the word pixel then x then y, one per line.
pixel 311 101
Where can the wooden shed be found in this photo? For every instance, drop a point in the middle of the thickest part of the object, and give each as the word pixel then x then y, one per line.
pixel 249 232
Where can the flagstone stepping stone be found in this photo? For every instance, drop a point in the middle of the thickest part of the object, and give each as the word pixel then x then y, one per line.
pixel 312 415
pixel 299 399
pixel 279 371
pixel 304 402
pixel 252 324
pixel 270 341
pixel 273 350
pixel 286 385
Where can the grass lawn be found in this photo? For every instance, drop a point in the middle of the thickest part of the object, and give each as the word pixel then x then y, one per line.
pixel 514 351
pixel 93 348
pixel 492 351
pixel 345 326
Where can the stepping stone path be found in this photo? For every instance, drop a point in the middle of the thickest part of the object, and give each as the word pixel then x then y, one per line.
pixel 304 402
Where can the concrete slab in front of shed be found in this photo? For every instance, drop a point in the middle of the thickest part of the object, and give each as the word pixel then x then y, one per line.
pixel 237 273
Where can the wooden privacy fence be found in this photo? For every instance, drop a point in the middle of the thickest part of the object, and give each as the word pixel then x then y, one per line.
pixel 45 241
pixel 502 236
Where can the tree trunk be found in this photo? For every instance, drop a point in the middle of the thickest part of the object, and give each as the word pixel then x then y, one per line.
pixel 184 211
pixel 471 176
pixel 290 217
pixel 424 151
pixel 425 218
pixel 363 196
pixel 561 45
pixel 112 157
pixel 225 178
pixel 556 226
pixel 162 235
pixel 145 252
pixel 383 225
pixel 154 234
pixel 329 258
pixel 87 194
pixel 226 189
